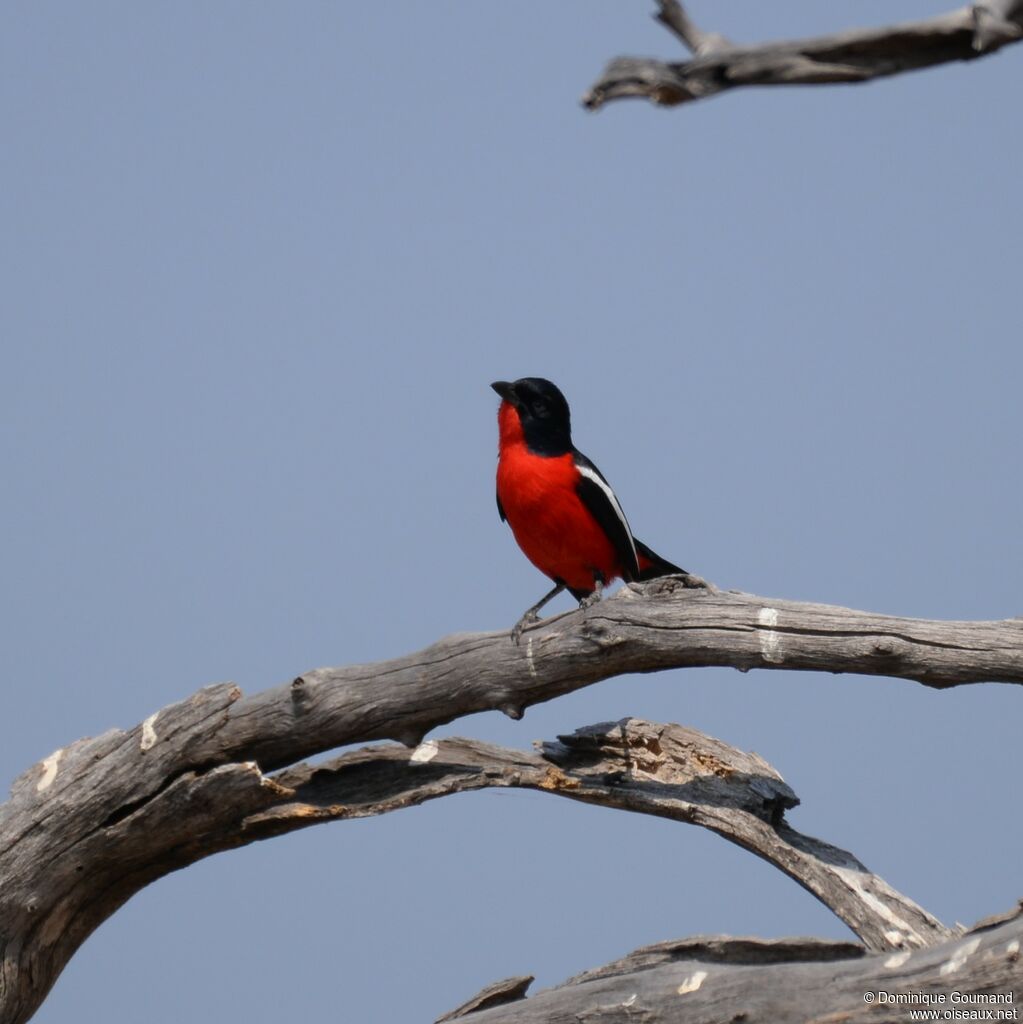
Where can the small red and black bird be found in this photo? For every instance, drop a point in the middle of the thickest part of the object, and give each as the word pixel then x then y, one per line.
pixel 560 508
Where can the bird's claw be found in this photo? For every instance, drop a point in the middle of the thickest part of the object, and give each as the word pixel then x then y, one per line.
pixel 527 620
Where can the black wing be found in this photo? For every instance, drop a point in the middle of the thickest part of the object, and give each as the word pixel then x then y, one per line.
pixel 500 508
pixel 596 494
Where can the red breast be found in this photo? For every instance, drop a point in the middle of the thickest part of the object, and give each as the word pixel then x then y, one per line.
pixel 553 527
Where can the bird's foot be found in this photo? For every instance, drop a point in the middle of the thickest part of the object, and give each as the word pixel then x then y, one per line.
pixel 527 620
pixel 590 599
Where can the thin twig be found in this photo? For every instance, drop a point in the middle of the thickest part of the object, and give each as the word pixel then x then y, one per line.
pixel 673 16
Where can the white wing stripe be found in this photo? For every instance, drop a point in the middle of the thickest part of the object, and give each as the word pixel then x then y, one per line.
pixel 602 484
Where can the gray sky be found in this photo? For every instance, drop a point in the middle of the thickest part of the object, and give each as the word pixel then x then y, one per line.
pixel 260 263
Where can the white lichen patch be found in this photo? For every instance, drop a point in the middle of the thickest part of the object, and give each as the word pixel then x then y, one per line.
pixel 529 658
pixel 424 752
pixel 959 957
pixel 149 736
pixel 897 960
pixel 692 983
pixel 900 933
pixel 770 641
pixel 630 1000
pixel 1013 948
pixel 49 770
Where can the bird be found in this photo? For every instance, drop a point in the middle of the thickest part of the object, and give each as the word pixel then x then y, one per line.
pixel 561 510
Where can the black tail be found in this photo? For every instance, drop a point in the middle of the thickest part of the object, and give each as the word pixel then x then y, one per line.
pixel 651 565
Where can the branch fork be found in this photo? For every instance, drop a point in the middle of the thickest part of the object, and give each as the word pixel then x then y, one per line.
pixel 858 55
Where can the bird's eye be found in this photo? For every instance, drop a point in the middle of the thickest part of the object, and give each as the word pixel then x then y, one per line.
pixel 540 408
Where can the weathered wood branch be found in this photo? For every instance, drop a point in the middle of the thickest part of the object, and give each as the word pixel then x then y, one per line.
pixel 644 628
pixel 69 860
pixel 854 56
pixel 678 773
pixel 668 771
pixel 77 836
pixel 714 979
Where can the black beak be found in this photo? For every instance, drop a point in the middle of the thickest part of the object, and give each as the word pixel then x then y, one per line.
pixel 505 390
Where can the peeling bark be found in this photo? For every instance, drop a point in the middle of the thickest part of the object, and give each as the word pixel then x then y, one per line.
pixel 509 990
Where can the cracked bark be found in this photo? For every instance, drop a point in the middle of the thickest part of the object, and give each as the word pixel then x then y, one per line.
pixel 854 56
pixel 631 632
pixel 98 820
pixel 716 979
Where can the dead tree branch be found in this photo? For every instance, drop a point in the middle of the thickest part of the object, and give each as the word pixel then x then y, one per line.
pixel 70 859
pixel 678 773
pixel 645 628
pixel 668 771
pixel 98 820
pixel 858 55
pixel 712 979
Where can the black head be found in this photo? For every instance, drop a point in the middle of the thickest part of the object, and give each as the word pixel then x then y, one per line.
pixel 543 413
